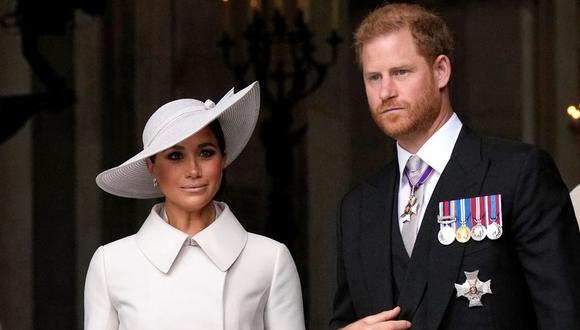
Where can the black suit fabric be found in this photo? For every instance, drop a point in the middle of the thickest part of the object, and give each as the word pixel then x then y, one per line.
pixel 534 266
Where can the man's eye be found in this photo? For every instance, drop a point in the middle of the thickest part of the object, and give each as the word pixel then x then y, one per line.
pixel 374 77
pixel 176 155
pixel 402 72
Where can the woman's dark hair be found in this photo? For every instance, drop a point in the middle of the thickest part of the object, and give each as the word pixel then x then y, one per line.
pixel 216 128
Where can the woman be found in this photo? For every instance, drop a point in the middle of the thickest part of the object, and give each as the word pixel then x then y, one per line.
pixel 191 265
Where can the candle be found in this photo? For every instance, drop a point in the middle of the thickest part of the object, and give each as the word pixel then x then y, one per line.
pixel 254 5
pixel 278 5
pixel 304 6
pixel 227 17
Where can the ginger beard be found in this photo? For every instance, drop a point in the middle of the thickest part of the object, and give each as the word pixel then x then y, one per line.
pixel 416 118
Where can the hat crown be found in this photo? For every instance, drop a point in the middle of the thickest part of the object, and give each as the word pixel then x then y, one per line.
pixel 169 113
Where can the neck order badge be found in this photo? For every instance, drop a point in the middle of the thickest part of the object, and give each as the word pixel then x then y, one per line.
pixel 411 207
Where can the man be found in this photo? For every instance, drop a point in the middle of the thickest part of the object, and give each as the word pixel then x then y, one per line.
pixel 480 234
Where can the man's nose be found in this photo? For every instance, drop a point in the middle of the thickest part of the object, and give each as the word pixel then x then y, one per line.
pixel 388 89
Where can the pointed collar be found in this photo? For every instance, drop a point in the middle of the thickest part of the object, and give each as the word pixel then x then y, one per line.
pixel 436 151
pixel 222 241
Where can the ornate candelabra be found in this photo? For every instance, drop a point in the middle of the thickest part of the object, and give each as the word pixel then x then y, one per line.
pixel 281 58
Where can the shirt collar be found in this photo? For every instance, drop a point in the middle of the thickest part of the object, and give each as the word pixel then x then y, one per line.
pixel 437 150
pixel 222 241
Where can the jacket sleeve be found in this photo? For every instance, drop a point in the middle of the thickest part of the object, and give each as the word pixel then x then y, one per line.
pixel 100 313
pixel 284 308
pixel 547 242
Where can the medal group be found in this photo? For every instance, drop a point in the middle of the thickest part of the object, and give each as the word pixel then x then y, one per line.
pixel 470 218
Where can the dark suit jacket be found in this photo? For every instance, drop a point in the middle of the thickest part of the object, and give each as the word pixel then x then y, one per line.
pixel 534 267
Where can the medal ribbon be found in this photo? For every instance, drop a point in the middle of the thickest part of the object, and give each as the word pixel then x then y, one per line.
pixel 498 215
pixel 487 213
pixel 444 217
pixel 440 218
pixel 422 179
pixel 474 210
pixel 481 210
pixel 466 213
pixel 452 212
pixel 458 212
pixel 492 206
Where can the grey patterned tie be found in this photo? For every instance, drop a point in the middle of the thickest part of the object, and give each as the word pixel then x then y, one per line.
pixel 414 168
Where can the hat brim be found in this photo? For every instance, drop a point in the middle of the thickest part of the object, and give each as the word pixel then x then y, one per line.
pixel 237 114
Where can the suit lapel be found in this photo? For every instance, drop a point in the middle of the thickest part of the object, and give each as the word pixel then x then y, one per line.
pixel 375 233
pixel 462 177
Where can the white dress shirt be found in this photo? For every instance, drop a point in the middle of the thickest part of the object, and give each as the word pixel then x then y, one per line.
pixel 221 278
pixel 436 152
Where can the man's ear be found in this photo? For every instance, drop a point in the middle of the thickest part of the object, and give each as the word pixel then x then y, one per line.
pixel 442 70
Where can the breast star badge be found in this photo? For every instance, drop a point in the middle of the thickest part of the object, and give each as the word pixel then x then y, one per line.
pixel 473 289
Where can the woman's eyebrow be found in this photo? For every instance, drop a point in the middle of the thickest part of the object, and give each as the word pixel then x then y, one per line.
pixel 206 144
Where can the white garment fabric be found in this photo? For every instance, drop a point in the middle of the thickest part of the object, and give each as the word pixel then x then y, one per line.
pixel 436 152
pixel 575 197
pixel 221 278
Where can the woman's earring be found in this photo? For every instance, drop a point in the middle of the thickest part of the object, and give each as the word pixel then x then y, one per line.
pixel 155 183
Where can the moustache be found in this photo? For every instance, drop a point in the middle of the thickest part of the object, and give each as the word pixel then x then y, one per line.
pixel 390 104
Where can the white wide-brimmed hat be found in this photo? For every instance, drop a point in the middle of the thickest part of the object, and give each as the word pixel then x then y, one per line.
pixel 174 122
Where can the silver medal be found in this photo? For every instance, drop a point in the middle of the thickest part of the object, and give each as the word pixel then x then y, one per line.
pixel 494 231
pixel 446 235
pixel 478 232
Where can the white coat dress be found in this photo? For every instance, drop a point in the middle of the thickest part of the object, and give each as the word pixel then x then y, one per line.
pixel 221 278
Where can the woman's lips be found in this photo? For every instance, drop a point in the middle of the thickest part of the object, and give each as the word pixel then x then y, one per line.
pixel 194 188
